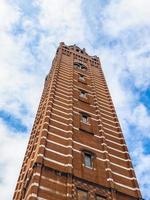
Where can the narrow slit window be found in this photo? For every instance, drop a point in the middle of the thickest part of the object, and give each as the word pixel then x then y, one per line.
pixel 83 94
pixel 88 160
pixel 85 118
pixel 81 77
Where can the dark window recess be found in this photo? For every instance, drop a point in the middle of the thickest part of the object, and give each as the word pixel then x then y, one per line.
pixel 80 66
pixel 88 160
pixel 83 94
pixel 82 195
pixel 84 118
pixel 81 77
pixel 98 197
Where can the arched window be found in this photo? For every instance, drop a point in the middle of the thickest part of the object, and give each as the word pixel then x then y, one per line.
pixel 80 66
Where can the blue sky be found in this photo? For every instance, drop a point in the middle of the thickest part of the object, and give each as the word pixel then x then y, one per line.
pixel 115 30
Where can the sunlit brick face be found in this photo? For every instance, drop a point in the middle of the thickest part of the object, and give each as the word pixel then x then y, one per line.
pixel 76 150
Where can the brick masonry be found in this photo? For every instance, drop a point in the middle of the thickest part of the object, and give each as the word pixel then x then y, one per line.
pixel 53 166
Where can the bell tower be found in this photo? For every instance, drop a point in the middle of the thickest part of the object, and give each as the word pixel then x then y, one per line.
pixel 76 150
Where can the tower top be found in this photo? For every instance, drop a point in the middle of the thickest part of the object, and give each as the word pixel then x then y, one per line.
pixel 78 50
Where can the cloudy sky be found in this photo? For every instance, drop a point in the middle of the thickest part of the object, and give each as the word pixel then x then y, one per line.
pixel 117 31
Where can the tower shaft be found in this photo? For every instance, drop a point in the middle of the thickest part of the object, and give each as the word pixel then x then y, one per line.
pixel 76 149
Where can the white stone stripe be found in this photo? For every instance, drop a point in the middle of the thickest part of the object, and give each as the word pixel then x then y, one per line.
pixel 64 72
pixel 65 76
pixel 85 111
pixel 68 100
pixel 69 131
pixel 106 108
pixel 65 124
pixel 120 151
pixel 63 68
pixel 41 198
pixel 61 80
pixel 102 99
pixel 63 91
pixel 90 147
pixel 104 90
pixel 126 177
pixel 104 123
pixel 116 132
pixel 68 146
pixel 120 166
pixel 123 159
pixel 33 195
pixel 51 180
pixel 54 161
pixel 119 138
pixel 50 141
pixel 65 146
pixel 125 186
pixel 64 85
pixel 64 88
pixel 105 111
pixel 45 189
pixel 99 136
pixel 59 111
pixel 60 123
pixel 67 96
pixel 108 116
pixel 116 143
pixel 105 104
pixel 59 136
pixel 66 104
pixel 102 95
pixel 68 109
pixel 59 116
pixel 110 121
pixel 56 152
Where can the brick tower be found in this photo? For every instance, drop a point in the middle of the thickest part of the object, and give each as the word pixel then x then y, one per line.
pixel 76 149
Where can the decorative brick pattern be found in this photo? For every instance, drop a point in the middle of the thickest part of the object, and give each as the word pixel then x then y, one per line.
pixel 53 166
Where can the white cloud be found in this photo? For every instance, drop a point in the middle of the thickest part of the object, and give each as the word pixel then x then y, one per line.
pixel 124 14
pixel 23 68
pixel 12 148
pixel 143 170
pixel 9 15
pixel 63 19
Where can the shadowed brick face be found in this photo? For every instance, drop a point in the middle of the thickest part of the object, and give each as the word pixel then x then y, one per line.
pixel 76 148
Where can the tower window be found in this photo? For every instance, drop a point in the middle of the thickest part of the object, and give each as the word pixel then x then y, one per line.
pixel 81 77
pixel 83 94
pixel 80 66
pixel 98 197
pixel 82 194
pixel 84 118
pixel 88 160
